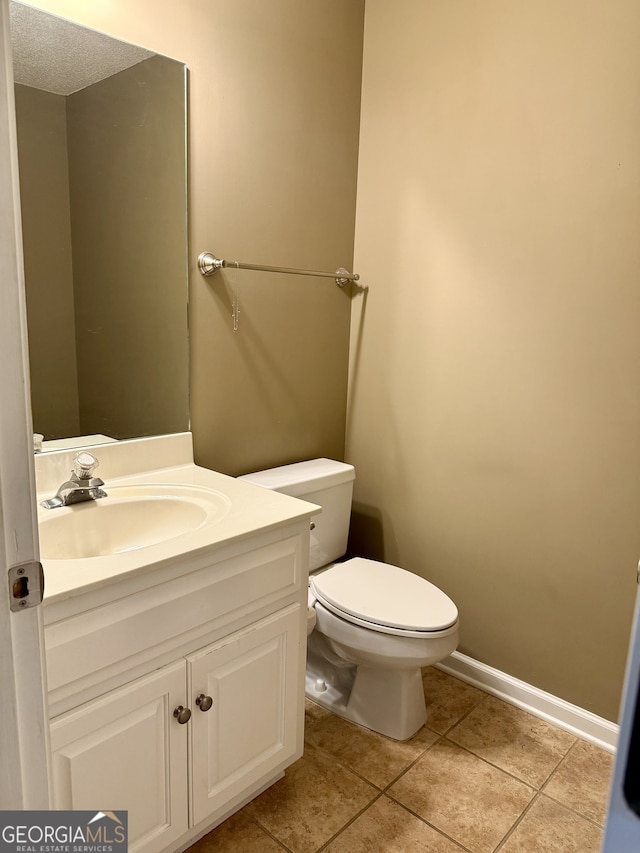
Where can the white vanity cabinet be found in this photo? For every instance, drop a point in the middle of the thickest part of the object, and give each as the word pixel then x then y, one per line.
pixel 181 696
pixel 250 727
pixel 125 751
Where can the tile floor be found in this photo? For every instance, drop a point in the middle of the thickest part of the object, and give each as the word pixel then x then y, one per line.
pixel 481 776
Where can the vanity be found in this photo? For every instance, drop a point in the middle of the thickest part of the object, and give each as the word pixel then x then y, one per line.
pixel 176 666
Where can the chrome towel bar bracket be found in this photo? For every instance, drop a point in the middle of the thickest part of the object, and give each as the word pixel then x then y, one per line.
pixel 208 264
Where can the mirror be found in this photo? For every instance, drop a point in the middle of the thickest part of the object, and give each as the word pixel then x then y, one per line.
pixel 102 160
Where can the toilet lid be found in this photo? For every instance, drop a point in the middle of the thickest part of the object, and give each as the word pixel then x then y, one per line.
pixel 383 595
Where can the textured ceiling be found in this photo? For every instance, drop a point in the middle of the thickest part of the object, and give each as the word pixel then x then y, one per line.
pixel 58 56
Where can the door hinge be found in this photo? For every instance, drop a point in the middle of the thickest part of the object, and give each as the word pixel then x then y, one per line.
pixel 26 586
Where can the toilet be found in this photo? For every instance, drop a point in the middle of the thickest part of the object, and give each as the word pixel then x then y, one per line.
pixel 371 626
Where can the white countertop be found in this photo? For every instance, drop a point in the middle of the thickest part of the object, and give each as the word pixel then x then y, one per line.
pixel 251 509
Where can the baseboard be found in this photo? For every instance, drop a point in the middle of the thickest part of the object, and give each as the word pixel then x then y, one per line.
pixel 569 717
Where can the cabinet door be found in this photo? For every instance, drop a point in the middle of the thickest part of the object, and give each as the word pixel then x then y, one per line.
pixel 254 726
pixel 125 750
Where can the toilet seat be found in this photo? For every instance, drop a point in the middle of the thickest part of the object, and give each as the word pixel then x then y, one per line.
pixel 385 598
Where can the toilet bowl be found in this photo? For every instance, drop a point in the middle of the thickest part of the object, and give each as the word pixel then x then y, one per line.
pixel 379 625
pixel 372 626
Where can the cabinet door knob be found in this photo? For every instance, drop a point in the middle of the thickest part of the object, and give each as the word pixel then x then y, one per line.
pixel 182 714
pixel 204 702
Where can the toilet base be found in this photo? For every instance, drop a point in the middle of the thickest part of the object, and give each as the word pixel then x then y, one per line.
pixel 388 701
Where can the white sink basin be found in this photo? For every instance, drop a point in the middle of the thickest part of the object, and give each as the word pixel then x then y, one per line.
pixel 129 518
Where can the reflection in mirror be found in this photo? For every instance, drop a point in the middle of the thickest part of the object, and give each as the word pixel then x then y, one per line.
pixel 102 158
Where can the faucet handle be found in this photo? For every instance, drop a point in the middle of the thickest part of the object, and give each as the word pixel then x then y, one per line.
pixel 84 464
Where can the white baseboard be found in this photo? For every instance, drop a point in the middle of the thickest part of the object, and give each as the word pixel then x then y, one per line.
pixel 569 717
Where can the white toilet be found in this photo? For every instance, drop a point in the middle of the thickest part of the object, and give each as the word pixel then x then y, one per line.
pixel 372 626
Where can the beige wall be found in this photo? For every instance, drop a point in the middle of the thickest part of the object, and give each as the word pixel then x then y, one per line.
pixel 274 114
pixel 494 415
pixel 46 229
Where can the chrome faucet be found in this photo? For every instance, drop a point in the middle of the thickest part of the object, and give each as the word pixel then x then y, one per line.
pixel 81 486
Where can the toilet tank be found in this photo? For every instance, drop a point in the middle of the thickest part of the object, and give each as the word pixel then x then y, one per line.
pixel 320 481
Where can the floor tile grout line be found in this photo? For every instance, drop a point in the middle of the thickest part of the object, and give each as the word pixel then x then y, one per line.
pixel 412 764
pixel 489 696
pixel 502 769
pixel 252 819
pixel 384 792
pixel 430 825
pixel 482 699
pixel 491 764
pixel 377 796
pixel 270 834
pixel 528 808
pixel 535 791
pixel 563 761
pixel 573 809
pixel 542 792
pixel 350 822
pixel 576 741
pixel 517 822
pixel 381 788
pixel 346 767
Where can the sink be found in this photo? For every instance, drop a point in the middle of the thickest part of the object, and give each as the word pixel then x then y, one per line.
pixel 129 518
